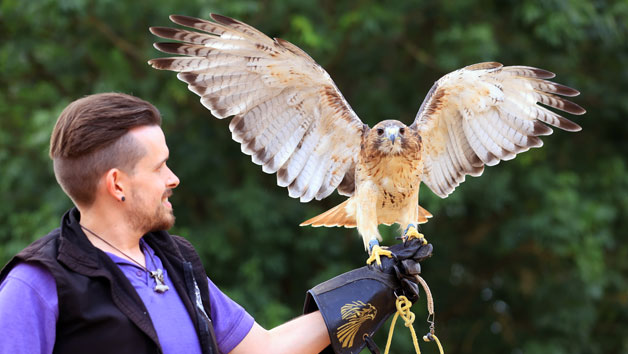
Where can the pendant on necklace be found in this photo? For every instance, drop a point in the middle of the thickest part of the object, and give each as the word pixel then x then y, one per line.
pixel 160 286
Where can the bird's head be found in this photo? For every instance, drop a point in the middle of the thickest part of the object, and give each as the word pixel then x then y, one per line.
pixel 391 137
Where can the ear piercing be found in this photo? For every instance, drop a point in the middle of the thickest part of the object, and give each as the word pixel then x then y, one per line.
pixel 122 199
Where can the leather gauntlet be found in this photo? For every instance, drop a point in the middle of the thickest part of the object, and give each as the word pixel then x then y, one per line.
pixel 357 303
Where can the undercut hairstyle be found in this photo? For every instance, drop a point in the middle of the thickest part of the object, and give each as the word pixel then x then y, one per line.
pixel 91 137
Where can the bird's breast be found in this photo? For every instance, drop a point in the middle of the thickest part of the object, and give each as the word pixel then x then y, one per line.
pixel 397 179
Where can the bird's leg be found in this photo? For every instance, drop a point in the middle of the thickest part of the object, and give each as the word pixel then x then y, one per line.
pixel 410 219
pixel 366 220
pixel 412 232
pixel 376 252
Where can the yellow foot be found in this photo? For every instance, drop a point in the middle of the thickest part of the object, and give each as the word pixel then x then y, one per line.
pixel 376 253
pixel 411 232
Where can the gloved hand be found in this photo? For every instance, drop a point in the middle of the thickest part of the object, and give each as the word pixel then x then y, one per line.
pixel 357 303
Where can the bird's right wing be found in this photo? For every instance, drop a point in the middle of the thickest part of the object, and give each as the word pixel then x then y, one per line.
pixel 288 113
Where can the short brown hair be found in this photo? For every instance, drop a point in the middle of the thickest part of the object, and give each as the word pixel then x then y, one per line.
pixel 90 138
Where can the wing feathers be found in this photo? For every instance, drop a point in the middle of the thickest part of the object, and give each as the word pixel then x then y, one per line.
pixel 528 71
pixel 201 38
pixel 490 151
pixel 553 87
pixel 457 150
pixel 242 28
pixel 439 178
pixel 181 64
pixel 207 26
pixel 311 186
pixel 290 117
pixel 183 48
pixel 489 113
pixel 293 167
pixel 334 178
pixel 288 147
pixel 283 104
pixel 559 103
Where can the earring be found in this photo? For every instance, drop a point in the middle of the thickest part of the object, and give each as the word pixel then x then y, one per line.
pixel 122 199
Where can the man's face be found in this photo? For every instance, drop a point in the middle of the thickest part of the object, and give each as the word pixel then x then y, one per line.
pixel 151 183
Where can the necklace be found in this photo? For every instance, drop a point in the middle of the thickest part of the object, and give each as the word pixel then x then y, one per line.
pixel 158 275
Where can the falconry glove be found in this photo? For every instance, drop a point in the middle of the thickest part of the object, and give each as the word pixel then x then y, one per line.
pixel 356 304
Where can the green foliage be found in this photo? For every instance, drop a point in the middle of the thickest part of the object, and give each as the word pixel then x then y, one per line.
pixel 529 258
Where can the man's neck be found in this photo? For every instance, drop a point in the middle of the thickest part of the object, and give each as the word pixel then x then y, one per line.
pixel 111 233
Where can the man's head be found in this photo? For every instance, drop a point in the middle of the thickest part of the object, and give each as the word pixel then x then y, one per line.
pixel 90 138
pixel 108 142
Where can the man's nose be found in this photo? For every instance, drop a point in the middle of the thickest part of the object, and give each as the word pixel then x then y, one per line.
pixel 173 180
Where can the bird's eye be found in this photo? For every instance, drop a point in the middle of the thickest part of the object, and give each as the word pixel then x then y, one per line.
pixel 402 131
pixel 380 131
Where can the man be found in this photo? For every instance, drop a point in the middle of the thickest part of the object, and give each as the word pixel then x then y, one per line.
pixel 110 279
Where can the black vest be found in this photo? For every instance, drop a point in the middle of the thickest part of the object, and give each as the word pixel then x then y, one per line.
pixel 99 310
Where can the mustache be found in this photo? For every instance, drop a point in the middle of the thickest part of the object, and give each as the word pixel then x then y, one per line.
pixel 168 193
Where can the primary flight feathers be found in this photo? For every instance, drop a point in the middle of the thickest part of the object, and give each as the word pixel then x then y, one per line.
pixel 288 114
pixel 291 118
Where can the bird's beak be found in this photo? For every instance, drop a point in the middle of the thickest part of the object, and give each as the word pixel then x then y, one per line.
pixel 392 133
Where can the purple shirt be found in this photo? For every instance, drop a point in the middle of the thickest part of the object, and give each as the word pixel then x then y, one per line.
pixel 29 310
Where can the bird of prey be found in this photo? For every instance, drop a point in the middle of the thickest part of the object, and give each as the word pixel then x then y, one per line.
pixel 291 118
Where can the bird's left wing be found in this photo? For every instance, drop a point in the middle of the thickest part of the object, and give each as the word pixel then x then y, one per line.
pixel 485 113
pixel 288 113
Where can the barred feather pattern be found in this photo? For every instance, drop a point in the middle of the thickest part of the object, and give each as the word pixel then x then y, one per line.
pixel 290 117
pixel 288 114
pixel 483 114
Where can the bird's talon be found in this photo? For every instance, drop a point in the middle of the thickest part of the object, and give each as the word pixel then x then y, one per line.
pixel 411 232
pixel 376 253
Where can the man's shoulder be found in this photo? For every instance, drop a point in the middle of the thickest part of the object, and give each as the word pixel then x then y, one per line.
pixel 164 238
pixel 42 246
pixel 182 241
pixel 185 247
pixel 41 250
pixel 33 274
pixel 172 244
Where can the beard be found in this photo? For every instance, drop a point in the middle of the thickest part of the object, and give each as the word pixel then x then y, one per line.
pixel 145 218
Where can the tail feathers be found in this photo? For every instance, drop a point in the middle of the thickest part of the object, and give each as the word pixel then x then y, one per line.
pixel 336 216
pixel 423 215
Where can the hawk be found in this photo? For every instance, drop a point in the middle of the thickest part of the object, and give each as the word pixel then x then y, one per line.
pixel 290 117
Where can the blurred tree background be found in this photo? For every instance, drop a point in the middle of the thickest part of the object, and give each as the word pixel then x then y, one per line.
pixel 529 258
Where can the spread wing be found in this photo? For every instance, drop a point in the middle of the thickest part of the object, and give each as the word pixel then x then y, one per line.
pixel 287 112
pixel 485 113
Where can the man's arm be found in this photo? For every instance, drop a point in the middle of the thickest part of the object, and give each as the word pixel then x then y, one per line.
pixel 305 334
pixel 369 291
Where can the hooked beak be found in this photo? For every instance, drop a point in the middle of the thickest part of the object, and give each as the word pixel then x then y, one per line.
pixel 392 133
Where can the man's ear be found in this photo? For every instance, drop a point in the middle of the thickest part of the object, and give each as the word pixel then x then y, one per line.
pixel 116 183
